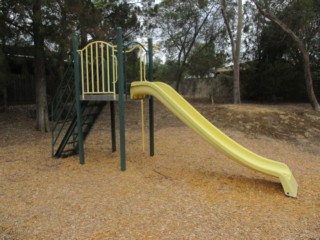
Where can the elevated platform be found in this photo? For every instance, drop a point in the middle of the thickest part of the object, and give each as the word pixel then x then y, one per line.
pixel 99 97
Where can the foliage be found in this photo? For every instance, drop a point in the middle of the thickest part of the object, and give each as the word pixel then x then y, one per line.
pixel 273 82
pixel 191 34
pixel 132 66
pixel 4 75
pixel 278 72
pixel 204 59
pixel 183 24
pixel 47 27
pixel 166 72
pixel 113 14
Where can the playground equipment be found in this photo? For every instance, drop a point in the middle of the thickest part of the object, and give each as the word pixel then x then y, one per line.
pixel 99 77
pixel 96 77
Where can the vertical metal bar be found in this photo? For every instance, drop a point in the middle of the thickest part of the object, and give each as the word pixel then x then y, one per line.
pixel 125 75
pixel 145 67
pixel 102 67
pixel 142 123
pixel 141 64
pixel 87 71
pixel 121 100
pixel 82 74
pixel 115 70
pixel 77 96
pixel 97 68
pixel 113 126
pixel 151 102
pixel 92 73
pixel 108 68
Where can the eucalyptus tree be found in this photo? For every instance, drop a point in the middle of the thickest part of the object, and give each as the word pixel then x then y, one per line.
pixel 113 14
pixel 228 12
pixel 183 24
pixel 299 19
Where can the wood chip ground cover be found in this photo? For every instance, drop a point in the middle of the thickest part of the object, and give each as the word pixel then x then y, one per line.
pixel 188 190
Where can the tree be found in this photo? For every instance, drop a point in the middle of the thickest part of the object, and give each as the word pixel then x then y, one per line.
pixel 183 23
pixel 4 35
pixel 204 59
pixel 166 72
pixel 253 26
pixel 3 79
pixel 42 122
pixel 26 24
pixel 301 46
pixel 235 46
pixel 47 26
pixel 60 37
pixel 109 16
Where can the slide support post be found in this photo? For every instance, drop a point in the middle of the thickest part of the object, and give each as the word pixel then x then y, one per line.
pixel 77 79
pixel 151 102
pixel 113 127
pixel 121 99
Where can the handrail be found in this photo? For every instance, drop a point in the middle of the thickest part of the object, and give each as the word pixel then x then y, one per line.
pixel 96 42
pixel 98 68
pixel 142 59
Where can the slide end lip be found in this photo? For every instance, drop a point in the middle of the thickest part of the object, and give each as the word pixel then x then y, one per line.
pixel 290 186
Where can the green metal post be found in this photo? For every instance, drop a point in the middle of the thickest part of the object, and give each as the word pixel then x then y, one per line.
pixel 151 103
pixel 76 59
pixel 113 127
pixel 121 100
pixel 112 109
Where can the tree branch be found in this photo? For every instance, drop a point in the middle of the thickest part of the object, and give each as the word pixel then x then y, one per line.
pixel 281 24
pixel 301 46
pixel 227 24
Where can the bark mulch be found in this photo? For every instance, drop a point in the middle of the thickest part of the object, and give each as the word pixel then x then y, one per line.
pixel 188 190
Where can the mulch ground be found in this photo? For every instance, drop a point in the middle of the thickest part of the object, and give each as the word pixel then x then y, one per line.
pixel 188 190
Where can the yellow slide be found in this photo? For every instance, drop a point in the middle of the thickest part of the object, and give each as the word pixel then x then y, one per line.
pixel 192 118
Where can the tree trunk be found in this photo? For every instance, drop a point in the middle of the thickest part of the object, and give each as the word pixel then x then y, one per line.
pixel 308 78
pixel 42 121
pixel 236 61
pixel 305 55
pixel 179 80
pixel 5 99
pixel 235 48
pixel 236 82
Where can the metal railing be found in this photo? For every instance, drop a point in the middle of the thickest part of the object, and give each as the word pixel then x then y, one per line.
pixel 142 55
pixel 98 63
pixel 99 66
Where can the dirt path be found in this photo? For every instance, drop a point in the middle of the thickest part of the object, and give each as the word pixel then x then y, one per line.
pixel 187 191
